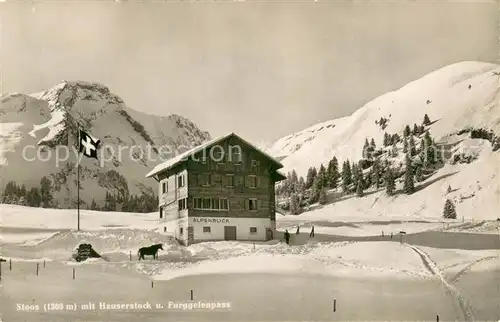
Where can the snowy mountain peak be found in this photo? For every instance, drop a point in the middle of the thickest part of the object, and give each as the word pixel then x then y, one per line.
pixel 51 118
pixel 455 97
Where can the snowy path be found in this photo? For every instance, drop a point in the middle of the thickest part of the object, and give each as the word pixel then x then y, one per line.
pixel 434 269
pixel 469 266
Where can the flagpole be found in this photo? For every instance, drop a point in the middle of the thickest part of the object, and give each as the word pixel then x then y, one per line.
pixel 78 178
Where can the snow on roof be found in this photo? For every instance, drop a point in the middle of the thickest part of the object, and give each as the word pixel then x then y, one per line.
pixel 183 156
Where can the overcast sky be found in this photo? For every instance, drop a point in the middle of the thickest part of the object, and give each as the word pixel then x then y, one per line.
pixel 262 70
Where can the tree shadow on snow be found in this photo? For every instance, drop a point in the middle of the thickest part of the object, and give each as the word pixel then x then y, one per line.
pixel 430 182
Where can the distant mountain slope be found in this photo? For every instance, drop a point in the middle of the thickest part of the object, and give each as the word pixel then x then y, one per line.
pixel 463 104
pixel 443 94
pixel 50 119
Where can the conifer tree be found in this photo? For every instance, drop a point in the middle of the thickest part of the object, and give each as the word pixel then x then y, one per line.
pixel 33 198
pixel 322 197
pixel 366 147
pixel 409 184
pixel 415 129
pixel 387 139
pixel 372 144
pixel 429 149
pixel 322 178
pixel 390 182
pixel 407 131
pixel 355 175
pixel 46 192
pixel 376 173
pixel 405 145
pixel 394 150
pixel 311 174
pixel 294 180
pixel 317 188
pixel 333 173
pixel 294 204
pixel 419 176
pixel 426 121
pixel 411 146
pixel 346 176
pixel 360 186
pixel 301 185
pixel 449 211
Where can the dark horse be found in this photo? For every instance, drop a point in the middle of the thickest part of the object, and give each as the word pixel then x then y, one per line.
pixel 151 250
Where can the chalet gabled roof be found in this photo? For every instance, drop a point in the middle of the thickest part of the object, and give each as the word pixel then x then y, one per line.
pixel 184 156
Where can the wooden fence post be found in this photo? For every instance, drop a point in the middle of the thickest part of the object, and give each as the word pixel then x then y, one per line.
pixel 437 318
pixel 335 305
pixel 44 263
pixel 0 270
pixel 151 284
pixel 191 295
pixel 73 273
pixel 37 266
pixel 130 256
pixel 10 264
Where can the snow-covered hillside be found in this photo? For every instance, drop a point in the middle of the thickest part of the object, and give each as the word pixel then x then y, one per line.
pixel 455 97
pixel 50 119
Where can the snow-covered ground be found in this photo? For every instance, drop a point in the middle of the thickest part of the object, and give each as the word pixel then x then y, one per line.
pixel 354 269
pixel 318 258
pixel 25 238
pixel 27 217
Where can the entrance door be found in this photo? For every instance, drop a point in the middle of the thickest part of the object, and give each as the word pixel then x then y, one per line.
pixel 229 232
pixel 269 234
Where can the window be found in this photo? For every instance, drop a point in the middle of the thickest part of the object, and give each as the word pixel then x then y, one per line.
pixel 215 204
pixel 180 181
pixel 164 187
pixel 206 229
pixel 229 180
pixel 206 203
pixel 182 203
pixel 161 212
pixel 253 230
pixel 203 179
pixel 252 204
pixel 235 154
pixel 252 181
pixel 224 204
pixel 181 230
pixel 255 166
pixel 197 202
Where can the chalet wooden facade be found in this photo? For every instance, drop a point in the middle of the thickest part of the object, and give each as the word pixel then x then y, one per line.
pixel 221 190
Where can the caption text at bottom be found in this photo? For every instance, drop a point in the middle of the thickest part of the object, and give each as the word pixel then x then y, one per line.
pixel 105 306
